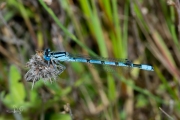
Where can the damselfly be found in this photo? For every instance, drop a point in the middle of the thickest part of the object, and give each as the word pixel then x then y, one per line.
pixel 46 64
pixel 65 56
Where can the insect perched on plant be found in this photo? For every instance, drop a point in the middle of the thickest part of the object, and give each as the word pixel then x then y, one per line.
pixel 46 64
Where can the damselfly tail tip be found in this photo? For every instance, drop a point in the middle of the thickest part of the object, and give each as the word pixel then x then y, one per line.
pixel 147 67
pixel 152 69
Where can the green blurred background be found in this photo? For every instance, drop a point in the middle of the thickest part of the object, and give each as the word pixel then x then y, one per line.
pixel 140 30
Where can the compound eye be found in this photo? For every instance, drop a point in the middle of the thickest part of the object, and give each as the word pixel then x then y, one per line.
pixel 47 51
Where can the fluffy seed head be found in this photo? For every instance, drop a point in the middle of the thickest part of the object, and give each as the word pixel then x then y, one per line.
pixel 39 68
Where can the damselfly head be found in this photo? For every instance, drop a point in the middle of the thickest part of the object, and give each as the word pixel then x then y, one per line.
pixel 47 54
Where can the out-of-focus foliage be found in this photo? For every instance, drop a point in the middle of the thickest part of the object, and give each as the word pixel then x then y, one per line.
pixel 142 31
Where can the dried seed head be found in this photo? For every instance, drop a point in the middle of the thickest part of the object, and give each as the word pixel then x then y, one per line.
pixel 38 68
